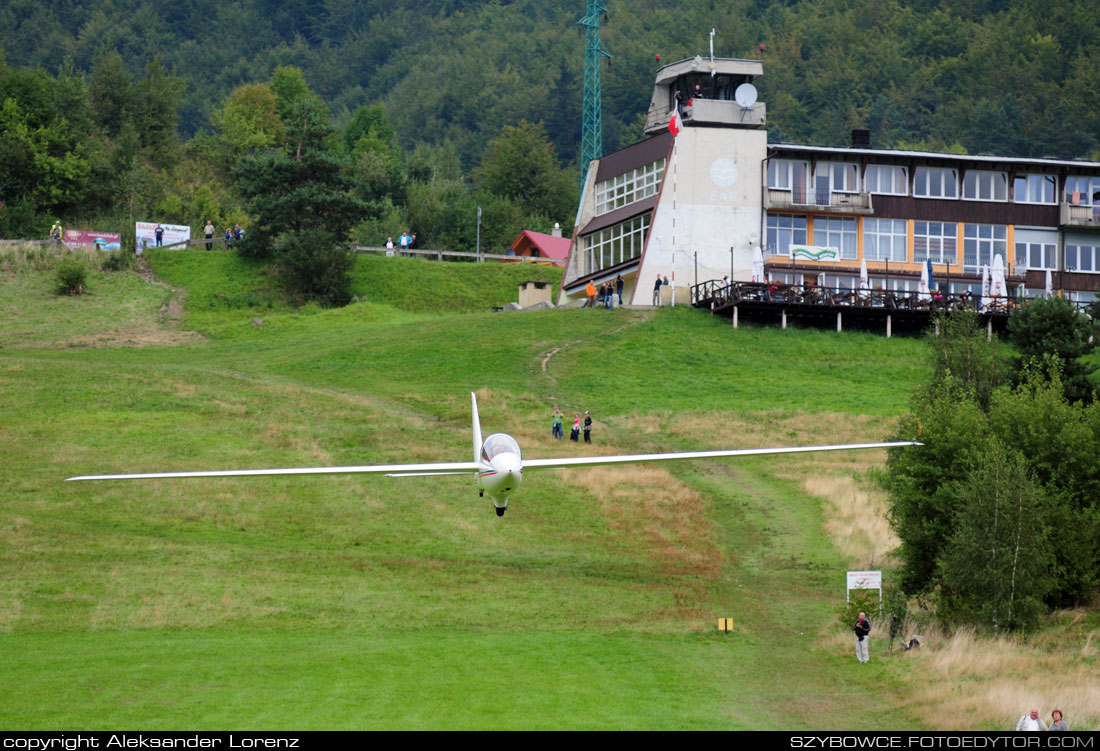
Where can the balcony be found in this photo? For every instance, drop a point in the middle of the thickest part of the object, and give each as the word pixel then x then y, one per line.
pixel 813 200
pixel 1084 217
pixel 710 112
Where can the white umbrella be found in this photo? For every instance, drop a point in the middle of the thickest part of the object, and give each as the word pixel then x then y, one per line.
pixel 985 286
pixel 997 286
pixel 758 265
pixel 923 292
pixel 1049 287
pixel 864 285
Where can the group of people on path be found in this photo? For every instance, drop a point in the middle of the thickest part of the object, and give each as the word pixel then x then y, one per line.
pixel 657 290
pixel 606 294
pixel 1030 721
pixel 405 242
pixel 574 434
pixel 234 235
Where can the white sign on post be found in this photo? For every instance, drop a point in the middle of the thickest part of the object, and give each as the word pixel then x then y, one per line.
pixel 865 580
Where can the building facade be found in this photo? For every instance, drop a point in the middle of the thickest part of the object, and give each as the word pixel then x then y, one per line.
pixel 694 206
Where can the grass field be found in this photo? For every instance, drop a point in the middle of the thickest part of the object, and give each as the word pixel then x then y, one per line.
pixel 351 602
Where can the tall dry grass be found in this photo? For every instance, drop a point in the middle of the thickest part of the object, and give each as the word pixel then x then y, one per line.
pixel 42 256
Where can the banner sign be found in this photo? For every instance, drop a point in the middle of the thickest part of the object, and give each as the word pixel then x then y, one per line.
pixel 814 253
pixel 865 580
pixel 146 236
pixel 79 238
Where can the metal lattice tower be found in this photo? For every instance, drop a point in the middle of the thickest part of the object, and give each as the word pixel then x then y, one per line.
pixel 592 110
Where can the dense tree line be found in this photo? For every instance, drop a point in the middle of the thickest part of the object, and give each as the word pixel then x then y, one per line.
pixel 998 512
pixel 116 111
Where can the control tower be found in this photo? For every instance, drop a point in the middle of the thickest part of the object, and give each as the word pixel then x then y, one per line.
pixel 677 205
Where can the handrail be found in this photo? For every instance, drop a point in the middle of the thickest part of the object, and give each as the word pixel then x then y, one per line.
pixel 721 294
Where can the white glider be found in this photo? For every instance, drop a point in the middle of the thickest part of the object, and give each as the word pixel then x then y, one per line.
pixel 498 465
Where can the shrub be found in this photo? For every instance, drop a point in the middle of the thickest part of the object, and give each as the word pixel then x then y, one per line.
pixel 70 277
pixel 118 260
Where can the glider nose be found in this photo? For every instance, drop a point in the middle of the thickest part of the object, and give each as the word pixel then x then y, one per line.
pixel 509 470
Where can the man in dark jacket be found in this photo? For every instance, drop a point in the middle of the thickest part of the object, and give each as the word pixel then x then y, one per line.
pixel 863 640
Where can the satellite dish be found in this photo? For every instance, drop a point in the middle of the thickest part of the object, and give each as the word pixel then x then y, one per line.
pixel 745 95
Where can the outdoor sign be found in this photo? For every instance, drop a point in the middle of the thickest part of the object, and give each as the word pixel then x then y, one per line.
pixel 79 238
pixel 814 253
pixel 865 580
pixel 173 233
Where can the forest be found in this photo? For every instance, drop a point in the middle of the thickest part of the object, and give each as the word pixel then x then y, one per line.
pixel 118 111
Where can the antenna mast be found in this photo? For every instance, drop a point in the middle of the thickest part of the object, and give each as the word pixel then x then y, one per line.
pixel 592 109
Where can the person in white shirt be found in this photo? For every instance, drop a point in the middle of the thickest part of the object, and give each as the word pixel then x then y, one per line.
pixel 1031 722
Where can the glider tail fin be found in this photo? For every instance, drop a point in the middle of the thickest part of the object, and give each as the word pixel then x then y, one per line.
pixel 477 430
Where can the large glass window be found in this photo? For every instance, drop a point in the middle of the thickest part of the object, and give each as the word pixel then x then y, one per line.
pixel 936 241
pixel 784 231
pixel 1037 255
pixel 885 240
pixel 838 177
pixel 787 174
pixel 983 185
pixel 629 187
pixel 887 179
pixel 1083 191
pixel 616 244
pixel 936 182
pixel 838 233
pixel 1034 189
pixel 981 242
pixel 1082 258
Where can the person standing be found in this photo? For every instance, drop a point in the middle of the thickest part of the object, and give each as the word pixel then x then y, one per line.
pixel 590 292
pixel 556 431
pixel 158 233
pixel 619 288
pixel 575 433
pixel 208 232
pixel 238 234
pixel 403 241
pixel 1031 722
pixel 228 238
pixel 609 299
pixel 863 637
pixel 56 231
pixel 657 292
pixel 413 243
pixel 587 427
pixel 1056 721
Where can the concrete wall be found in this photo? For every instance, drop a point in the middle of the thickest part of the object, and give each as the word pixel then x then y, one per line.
pixel 710 201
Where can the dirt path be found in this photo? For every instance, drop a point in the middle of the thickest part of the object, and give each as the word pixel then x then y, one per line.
pixel 544 357
pixel 170 313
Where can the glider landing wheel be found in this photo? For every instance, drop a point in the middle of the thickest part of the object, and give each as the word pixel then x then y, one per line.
pixel 500 511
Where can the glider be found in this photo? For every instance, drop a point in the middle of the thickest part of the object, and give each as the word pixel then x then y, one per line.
pixel 498 465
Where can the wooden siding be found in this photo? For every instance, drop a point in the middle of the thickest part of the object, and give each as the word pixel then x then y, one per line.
pixel 971 212
pixel 1069 280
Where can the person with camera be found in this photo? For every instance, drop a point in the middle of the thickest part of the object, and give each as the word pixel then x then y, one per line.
pixel 863 640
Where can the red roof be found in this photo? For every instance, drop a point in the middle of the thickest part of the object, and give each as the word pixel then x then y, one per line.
pixel 550 247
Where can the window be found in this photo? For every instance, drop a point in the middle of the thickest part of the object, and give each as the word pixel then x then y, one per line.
pixel 1037 255
pixel 629 187
pixel 936 241
pixel 837 177
pixel 615 244
pixel 785 231
pixel 1083 191
pixel 936 182
pixel 1083 258
pixel 1034 189
pixel 982 185
pixel 885 240
pixel 981 242
pixel 786 174
pixel 838 233
pixel 887 179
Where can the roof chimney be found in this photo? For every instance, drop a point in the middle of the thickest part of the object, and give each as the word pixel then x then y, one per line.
pixel 861 138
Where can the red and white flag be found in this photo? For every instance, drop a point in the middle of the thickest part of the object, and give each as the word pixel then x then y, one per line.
pixel 674 123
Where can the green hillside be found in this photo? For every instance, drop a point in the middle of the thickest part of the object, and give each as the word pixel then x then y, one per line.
pixel 353 602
